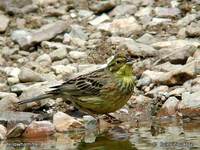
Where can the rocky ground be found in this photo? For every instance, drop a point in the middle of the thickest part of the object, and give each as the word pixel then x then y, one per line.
pixel 42 42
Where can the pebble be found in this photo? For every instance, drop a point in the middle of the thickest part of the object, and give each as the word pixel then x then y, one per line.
pixel 58 54
pixel 3 132
pixel 4 22
pixel 167 12
pixel 16 131
pixel 44 60
pixel 77 55
pixel 102 6
pixel 64 122
pixel 8 103
pixel 39 129
pixel 28 75
pixel 99 20
pixel 64 69
pixel 125 26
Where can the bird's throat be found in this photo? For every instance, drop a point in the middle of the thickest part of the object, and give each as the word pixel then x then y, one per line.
pixel 125 78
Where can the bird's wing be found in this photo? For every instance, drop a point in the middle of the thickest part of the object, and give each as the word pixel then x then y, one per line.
pixel 84 85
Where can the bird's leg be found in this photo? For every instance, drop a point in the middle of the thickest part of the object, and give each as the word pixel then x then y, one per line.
pixel 113 119
pixel 97 120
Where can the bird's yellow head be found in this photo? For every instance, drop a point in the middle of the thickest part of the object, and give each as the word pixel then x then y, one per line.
pixel 121 64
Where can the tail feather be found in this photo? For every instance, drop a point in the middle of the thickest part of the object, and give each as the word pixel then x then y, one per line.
pixel 33 99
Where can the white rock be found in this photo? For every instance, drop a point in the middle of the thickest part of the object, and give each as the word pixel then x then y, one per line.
pixel 67 38
pixel 176 43
pixel 11 71
pixel 62 69
pixel 4 94
pixel 22 37
pixel 171 105
pixel 58 54
pixel 12 80
pixel 44 60
pixel 158 21
pixel 45 2
pixel 167 12
pixel 186 20
pixel 146 11
pixel 125 26
pixel 8 103
pixel 3 132
pixel 4 22
pixel 99 20
pixel 85 13
pixel 77 54
pixel 28 75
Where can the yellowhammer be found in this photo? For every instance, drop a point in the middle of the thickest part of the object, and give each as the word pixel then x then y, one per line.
pixel 99 92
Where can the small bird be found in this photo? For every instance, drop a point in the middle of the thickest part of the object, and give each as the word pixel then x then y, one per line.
pixel 99 92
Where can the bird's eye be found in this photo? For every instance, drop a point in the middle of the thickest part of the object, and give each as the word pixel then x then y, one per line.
pixel 118 62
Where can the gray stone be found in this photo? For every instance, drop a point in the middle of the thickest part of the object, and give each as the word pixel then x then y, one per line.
pixel 11 71
pixel 174 77
pixel 58 54
pixel 77 54
pixel 78 32
pixel 54 45
pixel 5 94
pixel 170 105
pixel 157 91
pixel 16 131
pixel 193 30
pixel 64 70
pixel 18 6
pixel 102 6
pixel 167 12
pixel 64 122
pixel 147 39
pixel 85 13
pixel 177 91
pixel 28 75
pixel 191 100
pixel 146 11
pixel 166 67
pixel 186 20
pixel 8 103
pixel 18 88
pixel 45 2
pixel 160 21
pixel 123 26
pixel 143 81
pixel 123 10
pixel 4 22
pixel 56 12
pixel 175 43
pixel 46 32
pixel 64 61
pixel 176 55
pixel 21 37
pixel 137 49
pixel 7 51
pixel 3 132
pixel 99 19
pixel 44 60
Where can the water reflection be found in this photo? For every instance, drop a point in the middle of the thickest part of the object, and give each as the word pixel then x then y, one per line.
pixel 158 135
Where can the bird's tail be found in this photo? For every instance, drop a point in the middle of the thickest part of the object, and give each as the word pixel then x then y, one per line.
pixel 33 99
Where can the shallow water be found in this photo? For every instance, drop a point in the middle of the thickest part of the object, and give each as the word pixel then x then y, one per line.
pixel 163 135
